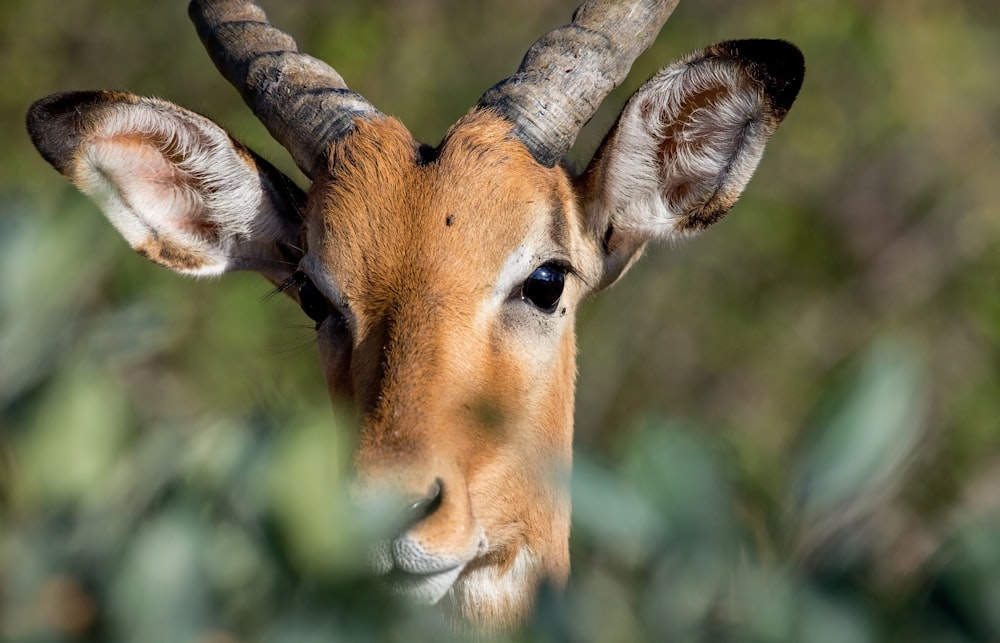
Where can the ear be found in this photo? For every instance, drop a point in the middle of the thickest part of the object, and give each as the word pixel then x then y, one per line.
pixel 176 186
pixel 686 145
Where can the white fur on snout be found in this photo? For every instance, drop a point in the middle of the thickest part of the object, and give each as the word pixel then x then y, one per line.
pixel 413 572
pixel 426 589
pixel 493 590
pixel 411 557
pixel 417 573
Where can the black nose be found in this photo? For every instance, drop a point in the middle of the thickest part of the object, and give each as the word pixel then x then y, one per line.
pixel 421 509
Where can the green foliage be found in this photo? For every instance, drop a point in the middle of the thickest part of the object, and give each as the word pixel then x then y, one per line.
pixel 787 428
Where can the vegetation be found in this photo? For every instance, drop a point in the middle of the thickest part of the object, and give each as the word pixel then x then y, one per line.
pixel 787 429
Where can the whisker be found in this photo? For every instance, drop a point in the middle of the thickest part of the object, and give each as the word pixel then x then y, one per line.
pixel 267 260
pixel 297 343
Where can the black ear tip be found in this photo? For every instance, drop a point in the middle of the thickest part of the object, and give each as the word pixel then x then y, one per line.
pixel 45 123
pixel 776 64
pixel 54 123
pixel 58 105
pixel 44 111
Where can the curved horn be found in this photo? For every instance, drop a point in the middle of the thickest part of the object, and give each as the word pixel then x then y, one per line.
pixel 567 73
pixel 302 101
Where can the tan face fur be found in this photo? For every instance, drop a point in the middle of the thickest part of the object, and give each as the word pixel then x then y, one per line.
pixel 459 381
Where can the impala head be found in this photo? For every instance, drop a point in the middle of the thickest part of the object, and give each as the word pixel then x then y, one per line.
pixel 443 281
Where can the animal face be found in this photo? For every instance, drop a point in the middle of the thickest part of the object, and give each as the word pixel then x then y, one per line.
pixel 443 281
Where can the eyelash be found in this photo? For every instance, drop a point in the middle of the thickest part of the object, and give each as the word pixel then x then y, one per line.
pixel 313 303
pixel 296 279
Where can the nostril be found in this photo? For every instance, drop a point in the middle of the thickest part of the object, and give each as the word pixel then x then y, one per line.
pixel 421 509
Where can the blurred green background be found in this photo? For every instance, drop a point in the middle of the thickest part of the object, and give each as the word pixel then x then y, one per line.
pixel 788 429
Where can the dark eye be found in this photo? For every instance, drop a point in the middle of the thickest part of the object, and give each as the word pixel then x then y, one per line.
pixel 312 301
pixel 544 287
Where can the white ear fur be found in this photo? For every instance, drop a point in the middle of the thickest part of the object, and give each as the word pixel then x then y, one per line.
pixel 173 183
pixel 689 140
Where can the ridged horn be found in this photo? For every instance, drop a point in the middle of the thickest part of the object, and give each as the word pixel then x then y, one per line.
pixel 302 101
pixel 568 72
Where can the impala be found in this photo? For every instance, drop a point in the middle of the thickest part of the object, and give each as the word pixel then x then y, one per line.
pixel 443 281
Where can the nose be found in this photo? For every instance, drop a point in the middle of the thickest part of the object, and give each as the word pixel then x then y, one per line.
pixel 424 508
pixel 432 534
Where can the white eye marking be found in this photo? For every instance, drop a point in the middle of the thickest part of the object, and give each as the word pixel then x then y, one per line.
pixel 538 248
pixel 531 334
pixel 518 265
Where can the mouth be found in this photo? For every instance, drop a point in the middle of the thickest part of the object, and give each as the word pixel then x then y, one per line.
pixel 407 569
pixel 425 588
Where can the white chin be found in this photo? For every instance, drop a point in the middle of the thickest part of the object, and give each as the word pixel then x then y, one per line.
pixel 425 588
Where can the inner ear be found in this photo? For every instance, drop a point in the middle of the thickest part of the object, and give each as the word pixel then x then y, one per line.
pixel 177 187
pixel 686 144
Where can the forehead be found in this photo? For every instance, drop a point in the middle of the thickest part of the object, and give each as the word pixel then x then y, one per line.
pixel 389 211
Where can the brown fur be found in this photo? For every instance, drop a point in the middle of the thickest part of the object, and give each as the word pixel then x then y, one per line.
pixel 171 255
pixel 442 394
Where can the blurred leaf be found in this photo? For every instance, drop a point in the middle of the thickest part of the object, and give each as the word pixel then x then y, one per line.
pixel 764 604
pixel 860 445
pixel 680 477
pixel 656 538
pixel 40 300
pixel 968 585
pixel 825 619
pixel 612 515
pixel 160 592
pixel 306 489
pixel 76 441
